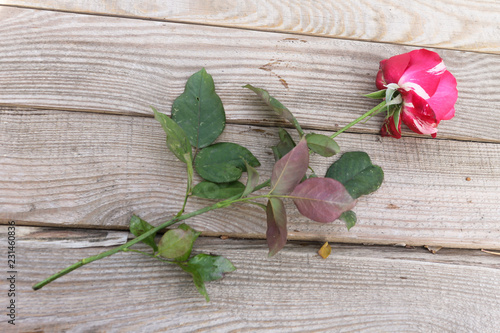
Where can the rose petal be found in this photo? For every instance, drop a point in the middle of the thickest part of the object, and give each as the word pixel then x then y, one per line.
pixel 418 105
pixel 423 73
pixel 394 67
pixel 422 83
pixel 449 115
pixel 425 60
pixel 379 81
pixel 389 128
pixel 419 125
pixel 445 97
pixel 418 115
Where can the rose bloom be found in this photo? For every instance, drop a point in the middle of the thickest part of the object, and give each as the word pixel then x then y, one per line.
pixel 428 90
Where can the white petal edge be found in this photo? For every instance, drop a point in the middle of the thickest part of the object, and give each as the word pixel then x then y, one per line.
pixel 438 69
pixel 416 88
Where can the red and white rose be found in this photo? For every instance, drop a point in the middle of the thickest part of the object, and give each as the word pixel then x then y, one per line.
pixel 424 90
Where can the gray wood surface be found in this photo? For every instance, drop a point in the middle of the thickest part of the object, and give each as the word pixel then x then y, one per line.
pixel 80 153
pixel 358 288
pixel 108 64
pixel 467 25
pixel 100 169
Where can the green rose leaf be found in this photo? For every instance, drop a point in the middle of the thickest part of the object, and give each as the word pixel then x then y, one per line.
pixel 223 162
pixel 204 267
pixel 284 146
pixel 377 94
pixel 252 181
pixel 357 173
pixel 138 227
pixel 177 243
pixel 197 279
pixel 277 107
pixel 209 190
pixel 349 218
pixel 397 115
pixel 177 141
pixel 199 111
pixel 322 144
pixel 211 267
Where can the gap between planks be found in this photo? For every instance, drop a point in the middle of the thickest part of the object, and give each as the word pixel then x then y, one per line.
pixel 77 238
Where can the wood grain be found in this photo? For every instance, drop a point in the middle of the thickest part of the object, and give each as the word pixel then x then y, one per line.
pixel 117 65
pixel 93 170
pixel 459 24
pixel 361 289
pixel 69 238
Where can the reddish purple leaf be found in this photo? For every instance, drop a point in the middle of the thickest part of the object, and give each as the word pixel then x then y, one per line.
pixel 276 225
pixel 290 169
pixel 322 199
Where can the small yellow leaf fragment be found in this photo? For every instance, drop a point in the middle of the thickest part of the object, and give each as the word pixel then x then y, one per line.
pixel 325 250
pixel 433 249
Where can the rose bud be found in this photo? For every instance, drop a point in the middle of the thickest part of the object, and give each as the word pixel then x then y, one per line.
pixel 389 128
pixel 428 91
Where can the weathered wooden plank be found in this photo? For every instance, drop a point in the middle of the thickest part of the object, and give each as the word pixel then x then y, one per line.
pixel 459 24
pixel 106 64
pixel 372 289
pixel 95 170
pixel 69 238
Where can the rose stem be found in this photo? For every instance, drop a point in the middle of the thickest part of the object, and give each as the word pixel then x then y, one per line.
pixel 369 113
pixel 125 246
